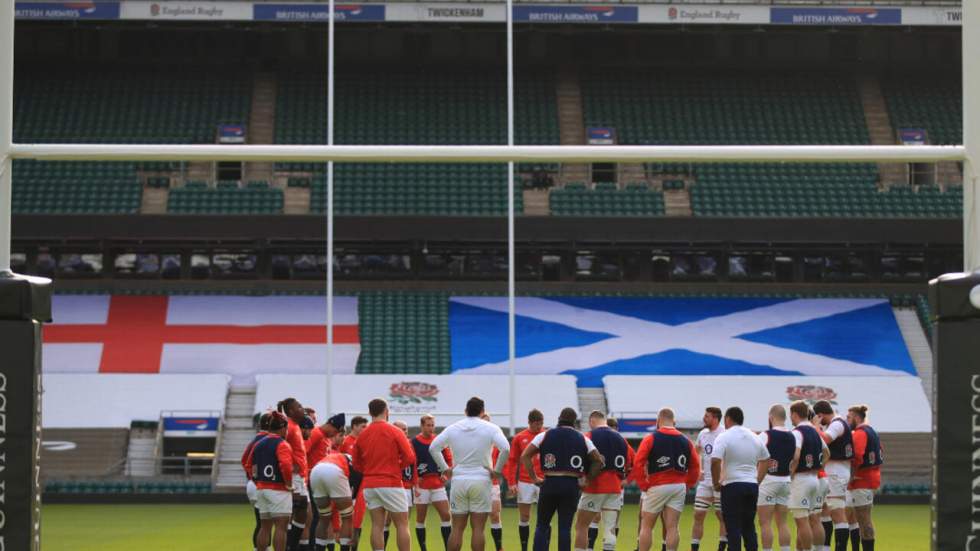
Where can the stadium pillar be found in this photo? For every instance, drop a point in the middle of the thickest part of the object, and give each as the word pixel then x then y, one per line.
pixel 25 302
pixel 971 135
pixel 956 413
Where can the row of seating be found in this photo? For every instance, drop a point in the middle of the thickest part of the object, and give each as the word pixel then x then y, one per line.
pixel 404 333
pixel 126 486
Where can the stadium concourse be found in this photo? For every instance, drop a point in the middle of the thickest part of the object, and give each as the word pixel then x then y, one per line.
pixel 190 295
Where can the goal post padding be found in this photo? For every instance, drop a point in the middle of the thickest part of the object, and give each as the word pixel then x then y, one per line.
pixel 956 413
pixel 25 303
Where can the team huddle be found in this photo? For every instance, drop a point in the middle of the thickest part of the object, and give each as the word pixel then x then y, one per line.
pixel 310 485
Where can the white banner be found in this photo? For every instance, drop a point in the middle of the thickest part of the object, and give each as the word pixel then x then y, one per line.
pixel 895 404
pixel 441 12
pixel 926 16
pixel 705 14
pixel 199 11
pixel 409 396
pixel 109 401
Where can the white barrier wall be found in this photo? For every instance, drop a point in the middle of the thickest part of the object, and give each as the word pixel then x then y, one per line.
pixel 409 396
pixel 896 404
pixel 109 401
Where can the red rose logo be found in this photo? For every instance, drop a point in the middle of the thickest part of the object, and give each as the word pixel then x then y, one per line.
pixel 811 393
pixel 413 392
pixel 672 13
pixel 154 9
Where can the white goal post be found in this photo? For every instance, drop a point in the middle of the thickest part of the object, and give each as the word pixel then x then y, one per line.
pixel 969 152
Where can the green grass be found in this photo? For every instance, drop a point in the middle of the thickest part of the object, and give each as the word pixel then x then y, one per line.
pixel 229 527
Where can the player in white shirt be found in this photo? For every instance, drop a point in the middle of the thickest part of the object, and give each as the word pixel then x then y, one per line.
pixel 705 496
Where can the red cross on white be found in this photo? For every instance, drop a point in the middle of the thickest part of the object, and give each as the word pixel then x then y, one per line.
pixel 237 335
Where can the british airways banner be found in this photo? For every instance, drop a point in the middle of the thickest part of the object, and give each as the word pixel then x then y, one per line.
pixel 835 16
pixel 591 337
pixel 318 12
pixel 232 335
pixel 576 14
pixel 66 10
pixel 192 427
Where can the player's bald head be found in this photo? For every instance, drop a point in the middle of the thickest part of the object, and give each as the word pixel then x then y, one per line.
pixel 777 413
pixel 665 417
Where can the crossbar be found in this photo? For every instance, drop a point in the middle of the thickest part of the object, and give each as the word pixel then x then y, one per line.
pixel 494 153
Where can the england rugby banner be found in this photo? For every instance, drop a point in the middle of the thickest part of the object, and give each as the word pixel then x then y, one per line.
pixel 895 404
pixel 410 396
pixel 591 337
pixel 234 335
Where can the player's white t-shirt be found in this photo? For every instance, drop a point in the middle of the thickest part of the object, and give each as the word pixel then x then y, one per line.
pixel 706 443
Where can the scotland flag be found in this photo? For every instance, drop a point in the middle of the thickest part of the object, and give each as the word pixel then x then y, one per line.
pixel 591 337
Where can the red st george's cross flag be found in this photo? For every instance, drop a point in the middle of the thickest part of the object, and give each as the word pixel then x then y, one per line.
pixel 236 335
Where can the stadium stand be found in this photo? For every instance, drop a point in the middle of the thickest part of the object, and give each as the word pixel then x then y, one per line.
pixel 933 102
pixel 404 333
pixel 114 105
pixel 421 107
pixel 654 107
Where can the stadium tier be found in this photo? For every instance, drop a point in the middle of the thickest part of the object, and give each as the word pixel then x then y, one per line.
pixel 104 105
pixel 663 107
pixel 466 106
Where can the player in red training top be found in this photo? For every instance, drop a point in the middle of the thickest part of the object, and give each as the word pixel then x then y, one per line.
pixel 667 464
pixel 602 493
pixel 866 469
pixel 430 486
pixel 381 453
pixel 293 410
pixel 519 482
pixel 270 464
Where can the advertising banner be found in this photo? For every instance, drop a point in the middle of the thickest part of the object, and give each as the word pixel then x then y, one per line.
pixel 835 16
pixel 912 136
pixel 411 395
pixel 318 12
pixel 705 14
pixel 192 427
pixel 66 10
pixel 187 11
pixel 448 13
pixel 895 404
pixel 576 14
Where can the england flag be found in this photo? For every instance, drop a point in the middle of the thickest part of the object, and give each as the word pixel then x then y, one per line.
pixel 235 335
pixel 591 337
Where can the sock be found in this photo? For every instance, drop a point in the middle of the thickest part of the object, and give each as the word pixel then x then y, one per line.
pixel 785 549
pixel 294 534
pixel 419 535
pixel 386 538
pixel 868 545
pixel 320 544
pixel 524 532
pixel 663 546
pixel 722 543
pixel 695 544
pixel 842 533
pixel 593 534
pixel 330 544
pixel 855 538
pixel 445 529
pixel 497 533
pixel 344 544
